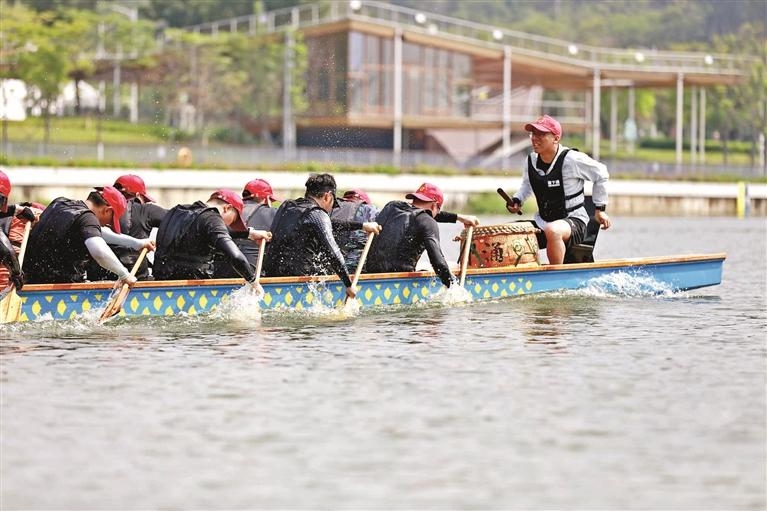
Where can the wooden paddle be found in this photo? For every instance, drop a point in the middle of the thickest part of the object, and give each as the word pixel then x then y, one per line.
pixel 465 255
pixel 120 292
pixel 260 263
pixel 10 307
pixel 361 264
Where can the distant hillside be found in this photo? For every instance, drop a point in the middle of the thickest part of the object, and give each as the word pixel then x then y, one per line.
pixel 662 24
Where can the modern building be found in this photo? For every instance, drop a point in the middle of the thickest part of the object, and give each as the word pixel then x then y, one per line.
pixel 388 77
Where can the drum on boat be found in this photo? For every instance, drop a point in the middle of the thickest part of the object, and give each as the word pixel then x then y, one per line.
pixel 510 244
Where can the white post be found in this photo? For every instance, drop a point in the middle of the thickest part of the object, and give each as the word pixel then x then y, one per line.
pixel 134 102
pixel 288 132
pixel 595 113
pixel 116 83
pixel 613 120
pixel 397 142
pixel 506 130
pixel 679 135
pixel 702 125
pixel 693 124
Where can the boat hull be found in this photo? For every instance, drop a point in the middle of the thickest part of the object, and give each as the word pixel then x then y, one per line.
pixel 168 298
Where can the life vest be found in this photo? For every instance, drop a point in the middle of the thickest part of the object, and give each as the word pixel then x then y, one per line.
pixel 56 253
pixel 258 216
pixel 348 240
pixel 295 249
pixel 395 248
pixel 550 190
pixel 179 247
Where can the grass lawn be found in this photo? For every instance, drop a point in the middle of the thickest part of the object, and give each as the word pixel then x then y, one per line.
pixel 88 129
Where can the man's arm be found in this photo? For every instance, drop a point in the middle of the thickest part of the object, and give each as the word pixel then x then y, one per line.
pixel 320 222
pixel 103 255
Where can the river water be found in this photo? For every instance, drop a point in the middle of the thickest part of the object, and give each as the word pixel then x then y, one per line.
pixel 579 400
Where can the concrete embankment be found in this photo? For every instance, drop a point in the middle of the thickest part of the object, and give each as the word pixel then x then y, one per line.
pixel 169 187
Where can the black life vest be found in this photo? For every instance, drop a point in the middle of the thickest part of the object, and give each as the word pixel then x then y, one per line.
pixel 295 249
pixel 179 246
pixel 5 225
pixel 55 252
pixel 258 216
pixel 550 190
pixel 396 247
pixel 346 212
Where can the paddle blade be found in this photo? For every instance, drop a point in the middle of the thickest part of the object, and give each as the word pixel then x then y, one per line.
pixel 10 308
pixel 115 304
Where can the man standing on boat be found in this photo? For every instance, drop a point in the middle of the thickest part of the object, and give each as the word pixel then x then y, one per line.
pixel 303 241
pixel 257 198
pixel 556 175
pixel 140 217
pixel 69 232
pixel 190 234
pixel 408 230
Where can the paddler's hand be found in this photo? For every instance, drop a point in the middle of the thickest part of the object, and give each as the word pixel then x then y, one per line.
pixel 257 235
pixel 468 220
pixel 351 293
pixel 149 244
pixel 18 280
pixel 603 218
pixel 371 227
pixel 127 279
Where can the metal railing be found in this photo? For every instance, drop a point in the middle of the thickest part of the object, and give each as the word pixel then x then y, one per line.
pixel 639 59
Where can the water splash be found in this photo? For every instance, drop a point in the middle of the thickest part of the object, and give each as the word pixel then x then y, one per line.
pixel 626 284
pixel 453 295
pixel 241 306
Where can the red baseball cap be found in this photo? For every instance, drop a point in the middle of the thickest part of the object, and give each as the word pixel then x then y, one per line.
pixel 116 200
pixel 233 199
pixel 357 195
pixel 134 185
pixel 5 191
pixel 547 124
pixel 260 189
pixel 429 193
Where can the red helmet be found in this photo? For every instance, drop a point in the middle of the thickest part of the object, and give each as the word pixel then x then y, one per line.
pixel 235 201
pixel 260 189
pixel 357 195
pixel 133 185
pixel 429 193
pixel 5 191
pixel 116 200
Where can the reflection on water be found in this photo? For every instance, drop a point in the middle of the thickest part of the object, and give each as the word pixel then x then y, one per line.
pixel 652 400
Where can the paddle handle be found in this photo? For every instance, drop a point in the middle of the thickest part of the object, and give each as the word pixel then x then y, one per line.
pixel 116 303
pixel 260 260
pixel 465 254
pixel 24 240
pixel 363 257
pixel 506 197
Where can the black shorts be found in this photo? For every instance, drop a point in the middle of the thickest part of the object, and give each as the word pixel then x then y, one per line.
pixel 577 233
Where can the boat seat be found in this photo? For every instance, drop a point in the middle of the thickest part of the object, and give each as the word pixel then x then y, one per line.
pixel 583 252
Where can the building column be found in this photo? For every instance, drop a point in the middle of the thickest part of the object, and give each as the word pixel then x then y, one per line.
pixel 288 123
pixel 693 125
pixel 702 125
pixel 397 134
pixel 679 135
pixel 506 130
pixel 595 114
pixel 613 120
pixel 134 102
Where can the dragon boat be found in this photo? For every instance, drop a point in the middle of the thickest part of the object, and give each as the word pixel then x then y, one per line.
pixel 168 298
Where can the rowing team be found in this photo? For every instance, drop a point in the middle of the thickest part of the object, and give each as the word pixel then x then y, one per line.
pixel 103 236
